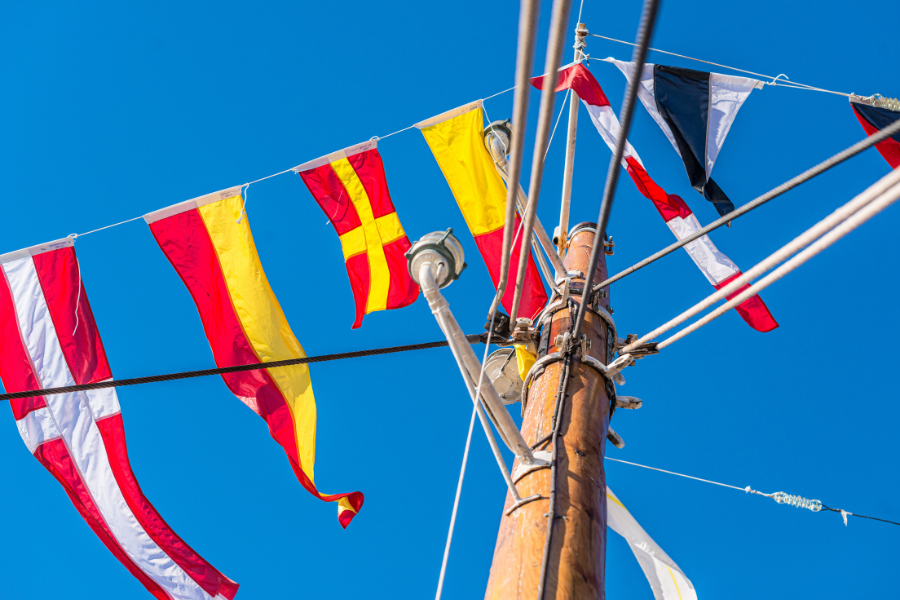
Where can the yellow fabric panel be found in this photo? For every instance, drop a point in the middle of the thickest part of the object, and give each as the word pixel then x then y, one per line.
pixel 389 228
pixel 353 242
pixel 614 499
pixel 262 319
pixel 379 273
pixel 524 360
pixel 674 581
pixel 458 147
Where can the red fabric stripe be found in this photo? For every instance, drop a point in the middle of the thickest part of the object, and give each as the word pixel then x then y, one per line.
pixel 581 81
pixel 403 290
pixel 358 271
pixel 370 170
pixel 55 458
pixel 331 196
pixel 534 298
pixel 207 577
pixel 185 242
pixel 58 273
pixel 15 365
pixel 669 206
pixel 889 148
pixel 753 310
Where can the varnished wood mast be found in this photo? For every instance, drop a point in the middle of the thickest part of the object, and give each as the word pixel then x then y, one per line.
pixel 577 557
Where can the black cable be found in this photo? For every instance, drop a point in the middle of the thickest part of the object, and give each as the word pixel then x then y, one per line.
pixel 645 32
pixel 473 339
pixel 850 514
pixel 774 193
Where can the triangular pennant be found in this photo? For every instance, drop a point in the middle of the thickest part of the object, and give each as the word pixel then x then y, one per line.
pixel 875 118
pixel 695 110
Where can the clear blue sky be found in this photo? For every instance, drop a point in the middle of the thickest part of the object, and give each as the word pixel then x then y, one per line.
pixel 111 110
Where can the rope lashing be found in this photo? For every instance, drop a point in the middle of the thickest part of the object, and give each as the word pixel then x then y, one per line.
pixel 799 502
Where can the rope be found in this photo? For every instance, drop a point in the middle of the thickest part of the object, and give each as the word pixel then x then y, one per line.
pixel 645 32
pixel 861 216
pixel 76 235
pixel 774 80
pixel 780 497
pixel 799 243
pixel 558 117
pixel 462 470
pixel 757 202
pixel 473 339
pixel 462 476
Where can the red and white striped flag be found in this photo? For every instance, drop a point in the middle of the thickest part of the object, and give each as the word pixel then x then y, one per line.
pixel 717 267
pixel 48 339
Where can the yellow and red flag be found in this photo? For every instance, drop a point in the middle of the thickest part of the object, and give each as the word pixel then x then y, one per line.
pixel 456 140
pixel 209 243
pixel 351 188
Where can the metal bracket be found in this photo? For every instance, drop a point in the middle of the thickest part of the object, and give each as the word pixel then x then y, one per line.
pixel 605 371
pixel 541 461
pixel 522 502
pixel 629 402
pixel 615 438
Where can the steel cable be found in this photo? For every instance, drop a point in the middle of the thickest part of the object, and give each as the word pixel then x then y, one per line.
pixel 473 339
pixel 757 202
pixel 645 32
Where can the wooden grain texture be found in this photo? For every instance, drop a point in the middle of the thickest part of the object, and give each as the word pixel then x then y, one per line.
pixel 578 549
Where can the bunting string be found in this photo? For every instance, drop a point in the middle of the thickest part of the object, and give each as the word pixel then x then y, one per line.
pixel 777 80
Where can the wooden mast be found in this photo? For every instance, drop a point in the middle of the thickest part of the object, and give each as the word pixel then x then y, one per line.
pixel 577 553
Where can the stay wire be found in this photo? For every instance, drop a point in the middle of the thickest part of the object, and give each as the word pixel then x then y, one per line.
pixel 820 168
pixel 465 461
pixel 775 81
pixel 472 339
pixel 645 33
pixel 746 489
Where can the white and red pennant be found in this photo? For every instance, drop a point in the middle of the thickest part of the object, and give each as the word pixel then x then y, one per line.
pixel 717 267
pixel 48 338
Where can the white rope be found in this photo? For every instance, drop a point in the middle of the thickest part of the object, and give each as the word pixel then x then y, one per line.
pixel 462 471
pixel 800 242
pixel 774 80
pixel 859 217
pixel 462 476
pixel 747 489
pixel 558 117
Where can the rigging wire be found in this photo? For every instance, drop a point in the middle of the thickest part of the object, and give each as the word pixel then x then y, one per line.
pixel 852 209
pixel 462 470
pixel 780 497
pixel 472 339
pixel 884 200
pixel 645 32
pixel 820 168
pixel 775 81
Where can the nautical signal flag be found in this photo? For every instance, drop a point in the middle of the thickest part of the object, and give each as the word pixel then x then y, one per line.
pixel 875 118
pixel 209 243
pixel 695 110
pixel 48 339
pixel 351 188
pixel 717 267
pixel 457 142
pixel 667 581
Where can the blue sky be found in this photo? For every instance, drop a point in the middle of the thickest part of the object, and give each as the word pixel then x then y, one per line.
pixel 111 110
